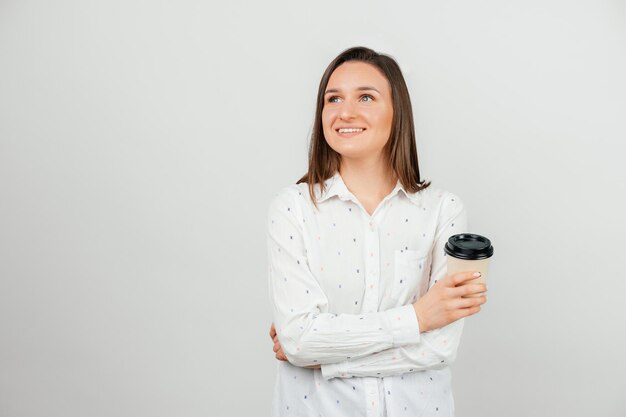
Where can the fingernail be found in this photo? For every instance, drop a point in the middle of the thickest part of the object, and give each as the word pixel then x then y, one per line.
pixel 476 274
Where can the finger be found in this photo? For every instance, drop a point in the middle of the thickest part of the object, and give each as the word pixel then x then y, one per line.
pixel 280 352
pixel 280 355
pixel 276 347
pixel 275 339
pixel 472 310
pixel 461 277
pixel 277 343
pixel 465 312
pixel 469 302
pixel 468 289
pixel 272 331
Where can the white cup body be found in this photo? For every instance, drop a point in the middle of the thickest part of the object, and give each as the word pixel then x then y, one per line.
pixel 464 265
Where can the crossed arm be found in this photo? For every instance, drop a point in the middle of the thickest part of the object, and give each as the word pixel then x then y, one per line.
pixel 443 305
pixel 413 337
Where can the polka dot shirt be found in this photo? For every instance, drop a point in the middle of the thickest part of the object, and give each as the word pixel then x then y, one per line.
pixel 342 283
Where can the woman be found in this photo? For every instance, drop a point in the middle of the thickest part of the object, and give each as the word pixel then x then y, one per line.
pixel 366 321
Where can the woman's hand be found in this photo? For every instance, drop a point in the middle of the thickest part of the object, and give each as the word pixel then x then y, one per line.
pixel 278 350
pixel 280 355
pixel 444 302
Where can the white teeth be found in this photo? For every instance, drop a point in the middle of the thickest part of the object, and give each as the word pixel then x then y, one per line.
pixel 350 130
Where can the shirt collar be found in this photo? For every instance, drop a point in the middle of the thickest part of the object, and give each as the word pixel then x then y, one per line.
pixel 334 186
pixel 413 197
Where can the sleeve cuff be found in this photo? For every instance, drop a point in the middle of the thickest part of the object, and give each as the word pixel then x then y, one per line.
pixel 404 327
pixel 334 370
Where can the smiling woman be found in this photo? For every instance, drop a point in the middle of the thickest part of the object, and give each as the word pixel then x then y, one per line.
pixel 366 318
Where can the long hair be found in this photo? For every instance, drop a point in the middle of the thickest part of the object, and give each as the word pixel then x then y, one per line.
pixel 401 150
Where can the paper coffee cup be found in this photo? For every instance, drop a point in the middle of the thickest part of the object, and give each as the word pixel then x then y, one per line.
pixel 468 252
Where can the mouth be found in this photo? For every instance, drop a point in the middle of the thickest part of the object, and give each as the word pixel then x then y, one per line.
pixel 348 132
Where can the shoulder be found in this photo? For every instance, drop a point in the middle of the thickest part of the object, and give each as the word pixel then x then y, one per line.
pixel 289 199
pixel 439 202
pixel 436 197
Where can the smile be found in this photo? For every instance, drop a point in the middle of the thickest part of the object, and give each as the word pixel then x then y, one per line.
pixel 350 130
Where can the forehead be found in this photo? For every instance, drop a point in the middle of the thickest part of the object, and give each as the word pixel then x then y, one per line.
pixel 356 74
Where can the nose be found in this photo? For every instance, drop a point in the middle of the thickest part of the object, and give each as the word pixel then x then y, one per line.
pixel 346 112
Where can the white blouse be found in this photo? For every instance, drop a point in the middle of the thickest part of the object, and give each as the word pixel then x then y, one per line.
pixel 341 287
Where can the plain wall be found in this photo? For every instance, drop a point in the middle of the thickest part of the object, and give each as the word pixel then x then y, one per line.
pixel 141 142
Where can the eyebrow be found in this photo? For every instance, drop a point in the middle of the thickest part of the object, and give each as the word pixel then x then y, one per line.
pixel 364 88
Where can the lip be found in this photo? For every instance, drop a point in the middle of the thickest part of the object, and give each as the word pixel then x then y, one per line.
pixel 349 134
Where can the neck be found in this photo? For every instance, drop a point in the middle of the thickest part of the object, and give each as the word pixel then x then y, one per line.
pixel 369 179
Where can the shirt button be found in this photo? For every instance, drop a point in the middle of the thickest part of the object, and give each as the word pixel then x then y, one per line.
pixel 372 226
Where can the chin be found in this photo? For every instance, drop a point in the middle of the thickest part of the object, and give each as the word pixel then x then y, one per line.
pixel 354 153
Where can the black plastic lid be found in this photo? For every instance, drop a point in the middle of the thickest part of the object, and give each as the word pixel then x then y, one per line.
pixel 469 246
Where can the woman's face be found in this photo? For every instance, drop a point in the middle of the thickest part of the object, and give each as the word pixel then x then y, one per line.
pixel 357 111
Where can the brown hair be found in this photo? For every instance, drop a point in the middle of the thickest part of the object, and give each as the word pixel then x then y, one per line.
pixel 401 148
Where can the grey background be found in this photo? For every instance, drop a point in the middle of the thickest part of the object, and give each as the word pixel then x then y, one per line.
pixel 140 143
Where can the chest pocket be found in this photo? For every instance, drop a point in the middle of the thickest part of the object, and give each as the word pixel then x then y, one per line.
pixel 410 276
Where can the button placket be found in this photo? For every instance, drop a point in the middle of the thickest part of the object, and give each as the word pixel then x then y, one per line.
pixel 371 390
pixel 372 270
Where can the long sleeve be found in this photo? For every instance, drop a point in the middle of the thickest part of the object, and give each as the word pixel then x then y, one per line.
pixel 308 334
pixel 436 348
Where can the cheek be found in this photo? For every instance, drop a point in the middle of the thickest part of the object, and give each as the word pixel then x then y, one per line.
pixel 328 116
pixel 385 120
pixel 381 120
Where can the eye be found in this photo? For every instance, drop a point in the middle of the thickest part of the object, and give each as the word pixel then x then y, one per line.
pixel 367 97
pixel 333 99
